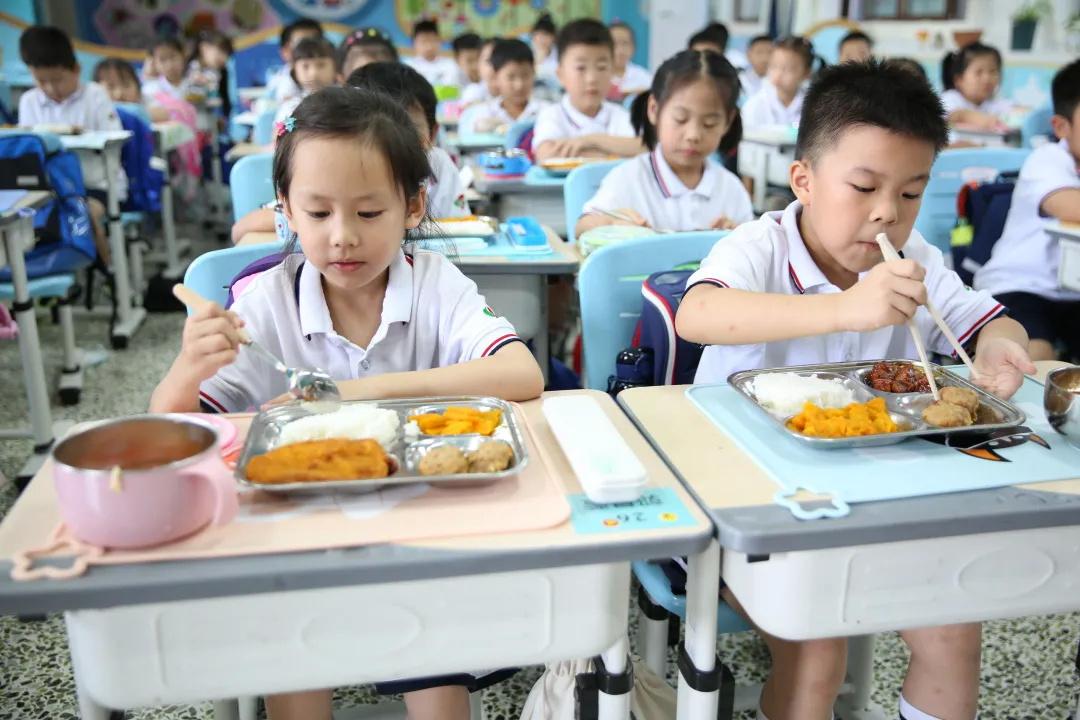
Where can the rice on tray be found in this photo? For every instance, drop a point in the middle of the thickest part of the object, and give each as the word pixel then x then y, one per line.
pixel 785 394
pixel 355 422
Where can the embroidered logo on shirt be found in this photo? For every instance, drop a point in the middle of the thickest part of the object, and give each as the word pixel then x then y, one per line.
pixel 488 311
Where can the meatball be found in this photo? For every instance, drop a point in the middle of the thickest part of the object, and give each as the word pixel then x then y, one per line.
pixel 443 460
pixel 492 456
pixel 946 415
pixel 963 397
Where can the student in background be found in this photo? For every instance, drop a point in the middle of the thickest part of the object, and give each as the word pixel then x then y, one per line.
pixel 438 70
pixel 512 61
pixel 168 56
pixel 757 57
pixel 445 191
pixel 713 36
pixel 207 67
pixel 168 92
pixel 627 78
pixel 971 77
pixel 542 39
pixel 780 100
pixel 856 47
pixel 685 119
pixel 363 46
pixel 1022 271
pixel 485 88
pixel 118 77
pixel 60 98
pixel 281 86
pixel 466 49
pixel 314 67
pixel 583 123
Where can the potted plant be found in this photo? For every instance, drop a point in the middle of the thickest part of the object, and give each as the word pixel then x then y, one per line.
pixel 1025 20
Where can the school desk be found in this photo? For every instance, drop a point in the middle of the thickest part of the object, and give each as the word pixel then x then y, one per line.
pixel 1068 237
pixel 470 143
pixel 17 231
pixel 209 112
pixel 249 95
pixel 765 154
pixel 168 136
pixel 534 194
pixel 1009 137
pixel 913 562
pixel 240 150
pixel 103 148
pixel 184 631
pixel 516 286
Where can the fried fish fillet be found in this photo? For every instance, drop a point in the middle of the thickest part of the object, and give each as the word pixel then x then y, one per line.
pixel 961 396
pixel 320 461
pixel 946 415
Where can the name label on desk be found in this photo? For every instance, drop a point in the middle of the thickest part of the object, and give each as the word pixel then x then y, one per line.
pixel 656 509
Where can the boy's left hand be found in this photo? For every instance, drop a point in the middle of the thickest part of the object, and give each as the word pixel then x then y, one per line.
pixel 1002 364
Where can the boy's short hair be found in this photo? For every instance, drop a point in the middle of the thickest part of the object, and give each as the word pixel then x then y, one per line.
pixel 300 24
pixel 1065 90
pixel 544 24
pixel 759 38
pixel 911 65
pixel 310 48
pixel 425 26
pixel 466 41
pixel 44 46
pixel 715 33
pixel 585 31
pixel 853 36
pixel 171 43
pixel 874 93
pixel 401 82
pixel 510 50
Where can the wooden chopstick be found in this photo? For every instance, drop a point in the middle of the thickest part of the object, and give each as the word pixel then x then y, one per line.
pixel 890 254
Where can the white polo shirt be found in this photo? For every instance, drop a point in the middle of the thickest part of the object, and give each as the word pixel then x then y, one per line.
pixel 563 120
pixel 768 256
pixel 281 86
pixel 647 184
pixel 474 93
pixel 546 69
pixel 493 110
pixel 764 108
pixel 161 85
pixel 751 82
pixel 440 71
pixel 446 192
pixel 953 100
pixel 90 108
pixel 432 316
pixel 1026 259
pixel 636 78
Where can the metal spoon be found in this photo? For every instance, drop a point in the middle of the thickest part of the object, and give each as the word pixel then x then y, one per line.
pixel 311 386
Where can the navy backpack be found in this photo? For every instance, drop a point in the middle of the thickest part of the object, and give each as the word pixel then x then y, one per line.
pixel 144 182
pixel 32 161
pixel 982 209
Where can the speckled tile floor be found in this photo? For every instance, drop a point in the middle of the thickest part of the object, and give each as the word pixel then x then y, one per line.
pixel 1027 664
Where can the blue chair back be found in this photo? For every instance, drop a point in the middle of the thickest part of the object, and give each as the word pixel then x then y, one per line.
pixel 581 184
pixel 951 170
pixel 211 273
pixel 517 132
pixel 263 132
pixel 251 183
pixel 1037 124
pixel 609 289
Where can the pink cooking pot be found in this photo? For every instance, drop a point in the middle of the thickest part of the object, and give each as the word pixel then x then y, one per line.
pixel 142 481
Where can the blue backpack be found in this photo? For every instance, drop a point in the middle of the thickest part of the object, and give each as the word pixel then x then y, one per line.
pixel 32 161
pixel 144 182
pixel 982 209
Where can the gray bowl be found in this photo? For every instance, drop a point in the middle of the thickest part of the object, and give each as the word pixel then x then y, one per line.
pixel 1062 402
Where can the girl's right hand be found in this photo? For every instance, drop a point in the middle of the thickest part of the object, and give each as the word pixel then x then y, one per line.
pixel 210 341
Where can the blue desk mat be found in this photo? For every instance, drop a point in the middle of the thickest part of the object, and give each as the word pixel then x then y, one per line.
pixel 499 245
pixel 8 198
pixel 480 140
pixel 656 508
pixel 911 468
pixel 540 177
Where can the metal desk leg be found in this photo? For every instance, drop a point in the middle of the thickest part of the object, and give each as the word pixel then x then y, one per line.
pixel 128 317
pixel 173 247
pixel 698 697
pixel 542 341
pixel 855 702
pixel 17 237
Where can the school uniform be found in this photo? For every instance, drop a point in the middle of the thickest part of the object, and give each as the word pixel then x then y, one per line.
pixel 769 256
pixel 764 108
pixel 432 316
pixel 440 71
pixel 751 83
pixel 635 79
pixel 1023 269
pixel 150 88
pixel 546 69
pixel 953 100
pixel 281 86
pixel 648 185
pixel 475 92
pixel 563 120
pixel 446 192
pixel 90 108
pixel 493 114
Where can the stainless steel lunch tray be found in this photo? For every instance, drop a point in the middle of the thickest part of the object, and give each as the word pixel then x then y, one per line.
pixel 905 408
pixel 406 450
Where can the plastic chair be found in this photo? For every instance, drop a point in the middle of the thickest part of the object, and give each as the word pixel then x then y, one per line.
pixel 581 184
pixel 263 131
pixel 951 170
pixel 211 273
pixel 251 183
pixel 1035 125
pixel 517 132
pixel 609 288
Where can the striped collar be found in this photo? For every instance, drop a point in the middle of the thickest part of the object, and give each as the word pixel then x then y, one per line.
pixel 671 186
pixel 802 269
pixel 579 120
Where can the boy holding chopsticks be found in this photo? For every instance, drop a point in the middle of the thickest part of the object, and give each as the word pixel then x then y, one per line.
pixel 809 285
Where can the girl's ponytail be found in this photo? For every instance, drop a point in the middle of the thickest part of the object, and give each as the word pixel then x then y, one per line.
pixel 639 118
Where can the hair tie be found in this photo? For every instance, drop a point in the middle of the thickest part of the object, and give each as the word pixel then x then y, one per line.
pixel 286 126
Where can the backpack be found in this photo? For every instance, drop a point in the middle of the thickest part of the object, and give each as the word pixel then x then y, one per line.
pixel 249 273
pixel 33 161
pixel 982 209
pixel 144 182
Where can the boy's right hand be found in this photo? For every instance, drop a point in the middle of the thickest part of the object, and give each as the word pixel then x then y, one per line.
pixel 210 341
pixel 888 295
